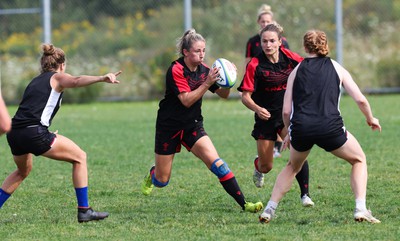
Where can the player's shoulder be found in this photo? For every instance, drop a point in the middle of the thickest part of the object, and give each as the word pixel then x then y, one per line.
pixel 254 61
pixel 291 54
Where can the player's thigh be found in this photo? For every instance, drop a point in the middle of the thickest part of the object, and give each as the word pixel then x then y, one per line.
pixel 64 149
pixel 350 151
pixel 297 158
pixel 24 163
pixel 265 150
pixel 204 149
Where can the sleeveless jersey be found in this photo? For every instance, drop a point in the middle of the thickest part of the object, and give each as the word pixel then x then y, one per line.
pixel 39 104
pixel 316 95
pixel 253 46
pixel 172 114
pixel 267 81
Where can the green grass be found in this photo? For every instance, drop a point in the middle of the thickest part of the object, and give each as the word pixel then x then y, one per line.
pixel 119 137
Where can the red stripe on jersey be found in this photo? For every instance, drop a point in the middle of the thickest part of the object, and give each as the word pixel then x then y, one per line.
pixel 292 55
pixel 180 80
pixel 248 51
pixel 248 79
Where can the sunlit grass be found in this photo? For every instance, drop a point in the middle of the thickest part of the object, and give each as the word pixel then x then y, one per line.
pixel 119 137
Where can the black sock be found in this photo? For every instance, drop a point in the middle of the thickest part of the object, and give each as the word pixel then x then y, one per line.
pixel 302 179
pixel 232 188
pixel 278 145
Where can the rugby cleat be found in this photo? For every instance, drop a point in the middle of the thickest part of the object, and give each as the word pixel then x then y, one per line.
pixel 364 215
pixel 253 207
pixel 88 214
pixel 147 183
pixel 266 216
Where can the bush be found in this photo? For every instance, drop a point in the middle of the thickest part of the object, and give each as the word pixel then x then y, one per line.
pixel 82 95
pixel 388 72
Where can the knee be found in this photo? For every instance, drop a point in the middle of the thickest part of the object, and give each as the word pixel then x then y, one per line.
pixel 81 157
pixel 294 168
pixel 24 173
pixel 222 170
pixel 358 158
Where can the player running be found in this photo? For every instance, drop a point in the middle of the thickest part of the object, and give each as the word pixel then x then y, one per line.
pixel 180 122
pixel 263 88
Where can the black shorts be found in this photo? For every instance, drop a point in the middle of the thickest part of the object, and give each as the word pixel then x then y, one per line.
pixel 267 130
pixel 169 142
pixel 34 139
pixel 328 143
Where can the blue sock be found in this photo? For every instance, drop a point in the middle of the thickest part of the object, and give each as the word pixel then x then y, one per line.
pixel 82 196
pixel 3 197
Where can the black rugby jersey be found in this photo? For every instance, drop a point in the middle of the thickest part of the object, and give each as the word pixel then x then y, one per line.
pixel 316 94
pixel 267 81
pixel 253 47
pixel 172 114
pixel 39 104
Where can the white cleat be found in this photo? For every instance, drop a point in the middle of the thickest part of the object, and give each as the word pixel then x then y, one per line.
pixel 361 215
pixel 258 178
pixel 306 201
pixel 266 216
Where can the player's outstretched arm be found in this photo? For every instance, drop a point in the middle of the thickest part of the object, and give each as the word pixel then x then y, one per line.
pixel 354 91
pixel 62 81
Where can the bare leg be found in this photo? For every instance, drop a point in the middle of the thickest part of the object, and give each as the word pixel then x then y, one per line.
pixel 352 152
pixel 205 150
pixel 265 149
pixel 24 167
pixel 285 178
pixel 65 149
pixel 163 167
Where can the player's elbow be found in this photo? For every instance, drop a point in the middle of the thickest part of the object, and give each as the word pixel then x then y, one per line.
pixel 223 93
pixel 361 101
pixel 286 113
pixel 187 103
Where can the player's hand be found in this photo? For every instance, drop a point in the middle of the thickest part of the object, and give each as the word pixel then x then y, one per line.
pixel 212 77
pixel 374 124
pixel 285 143
pixel 263 113
pixel 112 77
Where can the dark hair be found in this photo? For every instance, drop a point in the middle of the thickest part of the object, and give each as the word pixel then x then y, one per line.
pixel 52 58
pixel 316 42
pixel 186 41
pixel 273 27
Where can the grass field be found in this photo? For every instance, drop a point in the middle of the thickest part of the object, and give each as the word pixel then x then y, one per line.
pixel 118 138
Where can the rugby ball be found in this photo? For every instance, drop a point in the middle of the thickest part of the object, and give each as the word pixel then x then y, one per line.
pixel 227 73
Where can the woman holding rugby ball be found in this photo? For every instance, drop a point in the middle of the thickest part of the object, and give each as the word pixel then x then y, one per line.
pixel 180 122
pixel 263 87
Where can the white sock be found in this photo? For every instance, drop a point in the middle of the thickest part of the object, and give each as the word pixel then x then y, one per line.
pixel 360 204
pixel 272 205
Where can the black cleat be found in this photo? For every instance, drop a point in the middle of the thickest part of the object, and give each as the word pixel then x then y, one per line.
pixel 88 214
